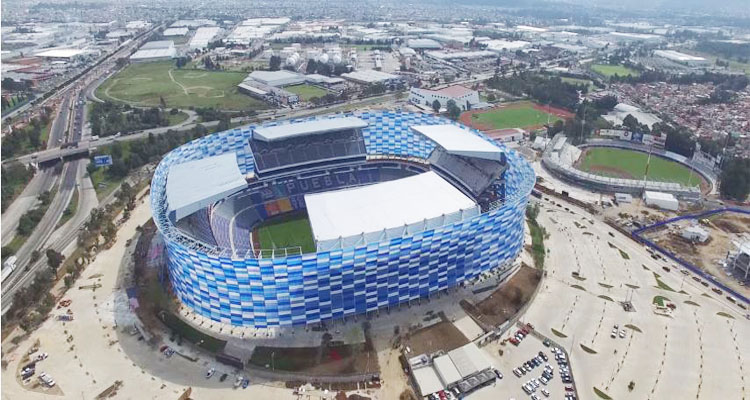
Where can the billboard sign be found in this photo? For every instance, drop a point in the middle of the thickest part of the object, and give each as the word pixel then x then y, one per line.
pixel 102 161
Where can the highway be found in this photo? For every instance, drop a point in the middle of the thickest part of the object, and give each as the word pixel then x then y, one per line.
pixel 42 180
pixel 70 119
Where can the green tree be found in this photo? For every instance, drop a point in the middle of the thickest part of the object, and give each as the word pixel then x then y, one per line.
pixel 54 259
pixel 436 105
pixel 735 179
pixel 454 111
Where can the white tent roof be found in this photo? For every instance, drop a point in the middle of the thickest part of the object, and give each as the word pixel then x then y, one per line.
pixel 378 207
pixel 313 127
pixel 195 184
pixel 456 140
pixel 469 359
pixel 427 380
pixel 446 370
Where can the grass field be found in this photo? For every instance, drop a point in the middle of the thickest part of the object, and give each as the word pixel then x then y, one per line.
pixel 577 81
pixel 514 116
pixel 288 230
pixel 632 164
pixel 306 92
pixel 612 70
pixel 146 83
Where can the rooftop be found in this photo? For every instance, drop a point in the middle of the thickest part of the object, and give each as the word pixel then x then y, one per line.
pixel 369 76
pixel 195 184
pixel 458 141
pixel 455 91
pixel 384 206
pixel 306 128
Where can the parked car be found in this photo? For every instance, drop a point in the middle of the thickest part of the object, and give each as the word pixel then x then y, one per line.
pixel 223 377
pixel 210 372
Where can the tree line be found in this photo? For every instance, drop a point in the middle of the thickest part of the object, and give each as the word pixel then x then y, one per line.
pixel 28 138
pixel 109 118
pixel 552 90
pixel 14 177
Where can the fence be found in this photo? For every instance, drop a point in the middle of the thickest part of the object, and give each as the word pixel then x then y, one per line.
pixel 636 234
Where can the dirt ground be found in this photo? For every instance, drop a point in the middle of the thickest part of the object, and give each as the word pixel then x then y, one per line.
pixel 724 229
pixel 441 336
pixel 510 297
pixel 343 359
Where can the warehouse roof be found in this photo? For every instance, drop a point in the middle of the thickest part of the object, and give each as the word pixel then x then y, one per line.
pixel 383 206
pixel 458 141
pixel 195 184
pixel 369 76
pixel 61 53
pixel 307 128
pixel 175 31
pixel 157 44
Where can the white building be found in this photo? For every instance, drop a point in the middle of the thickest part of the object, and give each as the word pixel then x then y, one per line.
pixel 695 233
pixel 154 51
pixel 681 58
pixel 665 201
pixel 277 78
pixel 203 36
pixel 463 97
pixel 182 31
pixel 370 76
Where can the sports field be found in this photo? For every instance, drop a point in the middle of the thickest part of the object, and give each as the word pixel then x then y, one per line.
pixel 306 92
pixel 629 164
pixel 515 115
pixel 576 81
pixel 287 230
pixel 612 70
pixel 146 83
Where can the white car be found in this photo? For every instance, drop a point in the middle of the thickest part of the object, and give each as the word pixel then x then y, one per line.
pixel 210 373
pixel 613 334
pixel 42 356
pixel 46 379
pixel 622 333
pixel 545 392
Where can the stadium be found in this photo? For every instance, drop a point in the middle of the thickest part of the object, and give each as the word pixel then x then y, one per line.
pixel 304 221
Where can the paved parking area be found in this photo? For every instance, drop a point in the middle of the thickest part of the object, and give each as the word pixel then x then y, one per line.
pixel 514 357
pixel 672 356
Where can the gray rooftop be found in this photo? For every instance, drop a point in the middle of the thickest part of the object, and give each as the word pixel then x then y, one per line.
pixel 307 128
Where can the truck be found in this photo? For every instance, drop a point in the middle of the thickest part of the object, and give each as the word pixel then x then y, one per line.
pixel 9 265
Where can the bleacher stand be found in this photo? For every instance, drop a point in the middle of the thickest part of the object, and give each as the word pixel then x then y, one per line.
pixel 199 225
pixel 280 155
pixel 471 174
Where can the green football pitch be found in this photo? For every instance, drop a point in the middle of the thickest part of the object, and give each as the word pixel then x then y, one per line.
pixel 306 92
pixel 287 230
pixel 612 70
pixel 146 84
pixel 631 164
pixel 514 116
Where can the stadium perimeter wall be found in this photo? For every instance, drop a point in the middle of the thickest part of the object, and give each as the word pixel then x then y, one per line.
pixel 333 284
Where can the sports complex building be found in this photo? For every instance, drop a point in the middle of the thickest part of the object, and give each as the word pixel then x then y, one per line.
pixel 304 221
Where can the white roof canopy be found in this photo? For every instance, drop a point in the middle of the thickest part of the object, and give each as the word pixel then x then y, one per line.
pixel 196 184
pixel 306 128
pixel 390 207
pixel 460 141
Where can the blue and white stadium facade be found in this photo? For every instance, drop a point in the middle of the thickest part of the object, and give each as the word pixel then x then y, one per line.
pixel 215 270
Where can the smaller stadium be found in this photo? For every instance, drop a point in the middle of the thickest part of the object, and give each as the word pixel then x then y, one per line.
pixel 310 220
pixel 628 165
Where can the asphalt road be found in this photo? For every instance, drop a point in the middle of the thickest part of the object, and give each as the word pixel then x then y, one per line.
pixel 42 180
